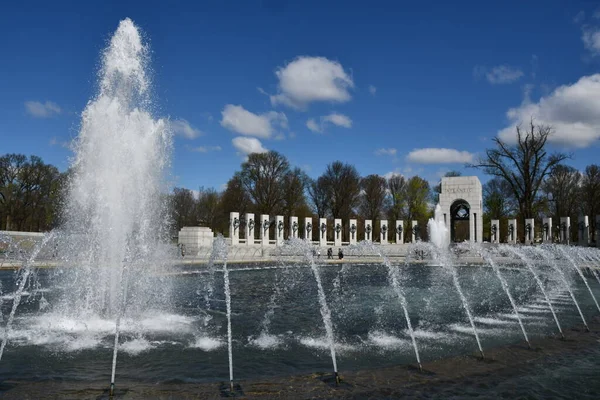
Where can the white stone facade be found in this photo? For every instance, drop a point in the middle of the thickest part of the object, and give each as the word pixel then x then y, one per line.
pixel 279 229
pixel 383 231
pixel 399 231
pixel 583 226
pixel 468 189
pixel 308 228
pixel 495 231
pixel 368 230
pixel 511 235
pixel 194 237
pixel 353 229
pixel 249 228
pixel 414 231
pixel 265 226
pixel 547 230
pixel 322 231
pixel 294 227
pixel 234 228
pixel 337 232
pixel 529 231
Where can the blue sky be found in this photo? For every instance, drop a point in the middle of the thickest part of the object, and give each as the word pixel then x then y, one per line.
pixel 390 87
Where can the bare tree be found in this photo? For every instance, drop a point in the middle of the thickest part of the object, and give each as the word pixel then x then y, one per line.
pixel 564 184
pixel 397 187
pixel 373 197
pixel 498 199
pixel 343 187
pixel 319 196
pixel 523 165
pixel 208 208
pixel 590 196
pixel 262 176
pixel 294 185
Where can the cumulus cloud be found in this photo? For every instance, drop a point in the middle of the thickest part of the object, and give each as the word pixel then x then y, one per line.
pixel 183 128
pixel 309 79
pixel 239 120
pixel 248 145
pixel 372 90
pixel 439 156
pixel 42 110
pixel 499 75
pixel 386 152
pixel 340 120
pixel 591 40
pixel 573 111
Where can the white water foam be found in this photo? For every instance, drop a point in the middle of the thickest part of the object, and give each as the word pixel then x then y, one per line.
pixel 206 343
pixel 388 342
pixel 265 341
pixel 136 346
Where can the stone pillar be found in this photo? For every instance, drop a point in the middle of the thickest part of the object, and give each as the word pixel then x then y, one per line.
pixel 308 228
pixel 250 225
pixel 368 230
pixel 193 238
pixel 353 231
pixel 414 228
pixel 584 230
pixel 512 232
pixel 294 227
pixel 279 226
pixel 234 228
pixel 399 229
pixel 322 231
pixel 529 231
pixel 265 226
pixel 383 231
pixel 337 232
pixel 495 231
pixel 547 230
pixel 565 230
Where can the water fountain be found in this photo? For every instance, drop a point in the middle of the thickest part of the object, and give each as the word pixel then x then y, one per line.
pixel 116 291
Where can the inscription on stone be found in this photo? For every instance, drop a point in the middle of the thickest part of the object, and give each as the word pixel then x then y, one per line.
pixel 459 190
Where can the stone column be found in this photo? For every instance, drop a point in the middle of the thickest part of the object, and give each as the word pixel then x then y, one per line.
pixel 383 231
pixel 547 230
pixel 353 231
pixel 529 231
pixel 294 227
pixel 234 228
pixel 415 231
pixel 399 230
pixel 584 230
pixel 495 231
pixel 264 231
pixel 368 230
pixel 308 228
pixel 250 225
pixel 512 232
pixel 337 232
pixel 322 231
pixel 279 225
pixel 565 230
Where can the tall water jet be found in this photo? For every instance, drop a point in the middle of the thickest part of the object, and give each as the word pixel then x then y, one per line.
pixel 306 248
pixel 528 262
pixel 393 277
pixel 574 265
pixel 490 261
pixel 115 214
pixel 439 233
pixel 548 257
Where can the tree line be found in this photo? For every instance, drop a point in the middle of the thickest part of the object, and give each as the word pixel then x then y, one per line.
pixel 528 181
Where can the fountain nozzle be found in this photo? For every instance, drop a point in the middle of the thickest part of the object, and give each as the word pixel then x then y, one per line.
pixel 337 377
pixel 111 391
pixel 231 386
pixel 482 356
pixel 420 368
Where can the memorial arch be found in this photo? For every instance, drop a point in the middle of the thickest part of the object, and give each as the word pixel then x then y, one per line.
pixel 462 205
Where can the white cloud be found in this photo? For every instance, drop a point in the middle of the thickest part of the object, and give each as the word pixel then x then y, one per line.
pixel 439 156
pixel 591 40
pixel 372 90
pixel 386 152
pixel 42 110
pixel 183 128
pixel 248 145
pixel 499 75
pixel 340 120
pixel 573 111
pixel 310 79
pixel 205 149
pixel 238 119
pixel 313 125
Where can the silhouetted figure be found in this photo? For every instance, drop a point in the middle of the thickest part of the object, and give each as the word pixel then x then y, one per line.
pixel 341 254
pixel 329 253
